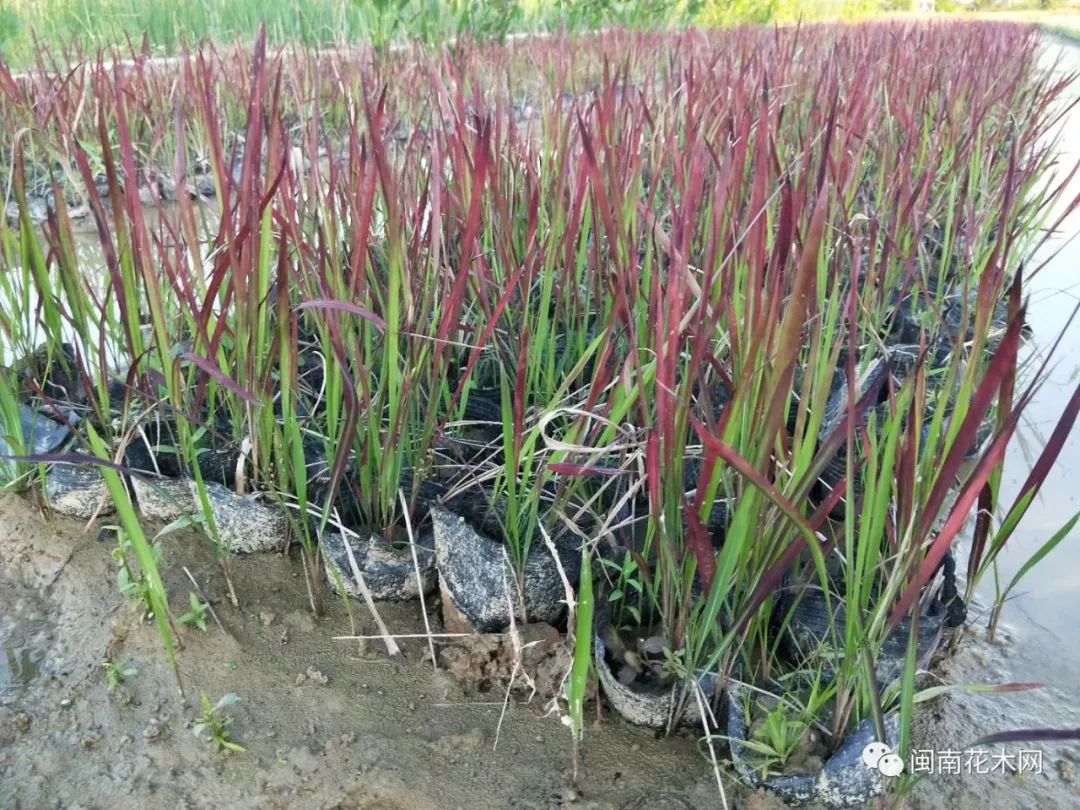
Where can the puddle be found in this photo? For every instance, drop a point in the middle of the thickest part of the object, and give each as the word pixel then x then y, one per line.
pixel 26 635
pixel 23 304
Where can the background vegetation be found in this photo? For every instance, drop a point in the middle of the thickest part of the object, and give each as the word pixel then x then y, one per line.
pixel 171 26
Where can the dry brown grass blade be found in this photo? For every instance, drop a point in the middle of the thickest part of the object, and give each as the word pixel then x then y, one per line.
pixel 392 649
pixel 419 579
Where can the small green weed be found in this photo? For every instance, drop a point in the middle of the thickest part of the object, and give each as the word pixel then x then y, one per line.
pixel 129 579
pixel 627 589
pixel 777 737
pixel 118 672
pixel 215 722
pixel 196 617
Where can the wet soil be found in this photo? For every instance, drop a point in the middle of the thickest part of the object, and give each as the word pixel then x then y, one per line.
pixel 325 723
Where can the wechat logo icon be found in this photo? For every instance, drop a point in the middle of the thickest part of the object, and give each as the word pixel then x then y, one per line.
pixel 879 757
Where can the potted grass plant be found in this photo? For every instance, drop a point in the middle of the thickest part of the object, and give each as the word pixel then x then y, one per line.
pixel 380 421
pixel 512 538
pixel 905 467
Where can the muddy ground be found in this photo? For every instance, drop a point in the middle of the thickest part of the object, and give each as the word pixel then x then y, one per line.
pixel 325 723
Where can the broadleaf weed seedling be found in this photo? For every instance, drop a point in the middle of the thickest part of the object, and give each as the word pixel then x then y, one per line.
pixel 215 723
pixel 118 672
pixel 776 738
pixel 196 617
pixel 129 579
pixel 627 583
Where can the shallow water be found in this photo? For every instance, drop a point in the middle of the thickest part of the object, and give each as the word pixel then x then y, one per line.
pixel 95 271
pixel 25 637
pixel 1046 613
pixel 1037 640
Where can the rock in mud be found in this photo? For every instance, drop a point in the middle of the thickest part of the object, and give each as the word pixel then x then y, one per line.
pixel 483 662
pixel 388 572
pixel 10 728
pixel 244 524
pixel 40 434
pixel 204 187
pixel 167 187
pixel 77 491
pixel 36 208
pixel 1066 770
pixel 313 675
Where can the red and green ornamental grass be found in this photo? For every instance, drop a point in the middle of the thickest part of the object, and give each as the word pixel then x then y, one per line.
pixel 661 256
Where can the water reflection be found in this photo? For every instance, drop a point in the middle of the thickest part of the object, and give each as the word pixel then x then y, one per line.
pixel 1047 612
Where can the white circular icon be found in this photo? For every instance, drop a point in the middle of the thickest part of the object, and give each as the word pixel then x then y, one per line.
pixel 873 753
pixel 891 765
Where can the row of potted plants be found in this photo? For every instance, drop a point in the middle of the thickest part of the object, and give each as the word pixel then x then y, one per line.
pixel 698 360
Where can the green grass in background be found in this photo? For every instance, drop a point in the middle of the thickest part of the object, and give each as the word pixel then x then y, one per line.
pixel 171 26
